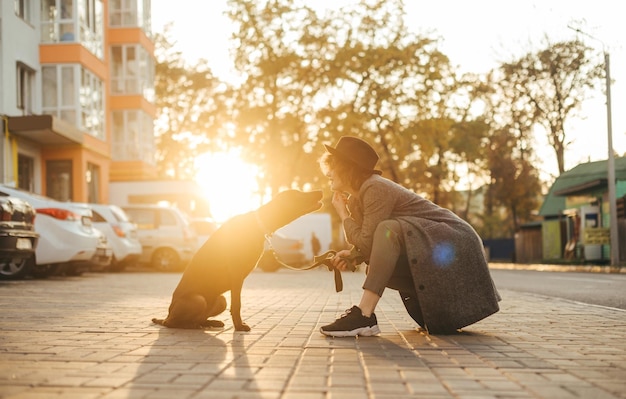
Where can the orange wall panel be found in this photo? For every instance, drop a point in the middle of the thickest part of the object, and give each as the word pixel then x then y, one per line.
pixel 130 35
pixel 132 102
pixel 131 170
pixel 73 54
pixel 96 145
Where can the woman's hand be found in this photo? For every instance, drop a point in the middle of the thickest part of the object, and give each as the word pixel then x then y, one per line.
pixel 340 260
pixel 340 202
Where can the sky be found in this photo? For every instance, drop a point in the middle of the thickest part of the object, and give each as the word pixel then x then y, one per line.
pixel 476 36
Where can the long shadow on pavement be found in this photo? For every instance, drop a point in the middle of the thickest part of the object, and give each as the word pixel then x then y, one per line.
pixel 200 363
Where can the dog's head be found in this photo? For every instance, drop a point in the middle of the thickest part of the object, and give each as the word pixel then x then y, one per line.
pixel 287 206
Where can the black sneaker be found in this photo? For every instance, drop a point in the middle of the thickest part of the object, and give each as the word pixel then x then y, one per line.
pixel 351 324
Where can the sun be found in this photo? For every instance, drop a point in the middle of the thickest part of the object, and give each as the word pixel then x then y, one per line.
pixel 230 185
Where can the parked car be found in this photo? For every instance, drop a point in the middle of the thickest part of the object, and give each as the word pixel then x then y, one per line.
pixel 67 239
pixel 18 238
pixel 167 240
pixel 286 250
pixel 203 227
pixel 120 232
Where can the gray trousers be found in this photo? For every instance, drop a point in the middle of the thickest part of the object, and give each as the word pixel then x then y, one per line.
pixel 388 266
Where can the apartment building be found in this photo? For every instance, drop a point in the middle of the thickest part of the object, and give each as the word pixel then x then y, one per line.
pixel 76 96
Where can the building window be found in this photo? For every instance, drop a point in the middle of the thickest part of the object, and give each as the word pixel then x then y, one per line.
pixel 57 21
pixel 25 172
pixel 74 94
pixel 131 13
pixel 132 136
pixel 93 183
pixel 132 71
pixel 79 21
pixel 91 25
pixel 22 9
pixel 59 180
pixel 25 82
pixel 92 104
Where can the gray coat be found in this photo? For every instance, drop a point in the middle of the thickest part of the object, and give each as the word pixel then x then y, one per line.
pixel 453 286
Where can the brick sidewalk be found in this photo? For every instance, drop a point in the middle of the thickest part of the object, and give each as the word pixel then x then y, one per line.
pixel 91 337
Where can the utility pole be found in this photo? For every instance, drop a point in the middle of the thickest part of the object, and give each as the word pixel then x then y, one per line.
pixel 614 242
pixel 611 168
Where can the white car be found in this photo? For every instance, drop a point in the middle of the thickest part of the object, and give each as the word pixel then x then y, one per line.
pixel 67 239
pixel 167 240
pixel 287 250
pixel 120 232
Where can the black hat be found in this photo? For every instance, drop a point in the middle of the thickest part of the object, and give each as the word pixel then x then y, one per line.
pixel 357 151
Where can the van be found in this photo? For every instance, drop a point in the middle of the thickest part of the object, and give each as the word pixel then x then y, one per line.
pixel 167 240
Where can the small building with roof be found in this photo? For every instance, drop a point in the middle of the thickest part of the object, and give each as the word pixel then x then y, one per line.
pixel 575 218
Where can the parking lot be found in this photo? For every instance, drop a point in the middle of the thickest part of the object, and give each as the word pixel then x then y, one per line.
pixel 91 337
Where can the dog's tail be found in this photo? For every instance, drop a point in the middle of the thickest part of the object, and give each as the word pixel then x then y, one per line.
pixel 160 322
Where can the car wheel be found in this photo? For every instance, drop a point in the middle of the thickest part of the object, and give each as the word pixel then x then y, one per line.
pixel 166 260
pixel 16 268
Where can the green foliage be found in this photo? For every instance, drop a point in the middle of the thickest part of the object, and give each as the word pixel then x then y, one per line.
pixel 308 78
pixel 552 84
pixel 190 110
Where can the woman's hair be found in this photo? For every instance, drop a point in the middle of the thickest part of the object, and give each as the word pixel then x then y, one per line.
pixel 348 171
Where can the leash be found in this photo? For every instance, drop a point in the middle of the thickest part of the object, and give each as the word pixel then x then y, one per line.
pixel 323 259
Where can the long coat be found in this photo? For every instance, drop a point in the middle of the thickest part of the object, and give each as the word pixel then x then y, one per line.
pixel 452 284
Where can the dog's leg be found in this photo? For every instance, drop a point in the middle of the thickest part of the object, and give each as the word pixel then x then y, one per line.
pixel 186 312
pixel 235 307
pixel 215 308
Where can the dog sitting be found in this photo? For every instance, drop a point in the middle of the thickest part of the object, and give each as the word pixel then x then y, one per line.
pixel 227 257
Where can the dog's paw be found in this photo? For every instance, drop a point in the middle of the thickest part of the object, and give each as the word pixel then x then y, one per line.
pixel 242 327
pixel 212 324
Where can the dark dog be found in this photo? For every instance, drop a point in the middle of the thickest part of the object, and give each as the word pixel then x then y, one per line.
pixel 226 259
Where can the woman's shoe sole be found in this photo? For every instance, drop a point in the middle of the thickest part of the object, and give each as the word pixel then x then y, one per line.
pixel 363 332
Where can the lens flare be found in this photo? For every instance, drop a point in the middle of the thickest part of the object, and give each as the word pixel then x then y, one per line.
pixel 388 234
pixel 443 254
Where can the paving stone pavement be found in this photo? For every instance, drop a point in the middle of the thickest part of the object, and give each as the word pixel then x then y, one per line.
pixel 91 337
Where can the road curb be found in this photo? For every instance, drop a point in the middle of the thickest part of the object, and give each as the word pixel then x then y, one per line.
pixel 559 268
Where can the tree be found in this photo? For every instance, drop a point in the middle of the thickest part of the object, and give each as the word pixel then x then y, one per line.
pixel 271 109
pixel 554 82
pixel 312 78
pixel 309 78
pixel 515 183
pixel 512 193
pixel 384 84
pixel 190 110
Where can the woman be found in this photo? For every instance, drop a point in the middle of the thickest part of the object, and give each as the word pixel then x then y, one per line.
pixel 431 256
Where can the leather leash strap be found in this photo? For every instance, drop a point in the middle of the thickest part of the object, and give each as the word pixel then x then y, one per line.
pixel 323 259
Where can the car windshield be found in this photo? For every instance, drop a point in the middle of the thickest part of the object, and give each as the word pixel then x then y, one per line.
pixel 97 218
pixel 119 213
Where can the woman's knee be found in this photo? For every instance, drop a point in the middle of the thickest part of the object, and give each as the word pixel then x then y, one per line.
pixel 388 231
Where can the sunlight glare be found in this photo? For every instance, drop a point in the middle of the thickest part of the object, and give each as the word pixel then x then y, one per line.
pixel 229 184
